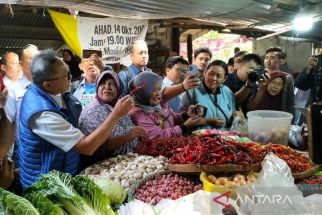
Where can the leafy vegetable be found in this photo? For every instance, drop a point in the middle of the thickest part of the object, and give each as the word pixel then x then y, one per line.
pixel 57 187
pixel 15 205
pixel 93 195
pixel 44 205
pixel 113 190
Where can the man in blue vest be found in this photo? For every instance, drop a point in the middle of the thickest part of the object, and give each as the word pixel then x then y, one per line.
pixel 49 138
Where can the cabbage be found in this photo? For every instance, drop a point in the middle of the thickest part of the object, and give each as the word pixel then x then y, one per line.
pixel 57 187
pixel 113 190
pixel 93 195
pixel 43 204
pixel 15 205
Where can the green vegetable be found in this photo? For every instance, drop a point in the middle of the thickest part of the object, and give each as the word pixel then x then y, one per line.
pixel 15 205
pixel 113 190
pixel 93 195
pixel 57 187
pixel 44 205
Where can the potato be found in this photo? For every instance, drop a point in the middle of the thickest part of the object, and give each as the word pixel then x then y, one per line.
pixel 230 184
pixel 241 182
pixel 238 177
pixel 212 178
pixel 222 180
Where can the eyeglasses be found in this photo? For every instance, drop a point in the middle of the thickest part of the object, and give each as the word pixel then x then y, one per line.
pixel 67 76
pixel 181 70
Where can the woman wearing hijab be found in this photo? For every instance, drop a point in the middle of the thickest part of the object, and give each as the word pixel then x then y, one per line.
pixel 212 94
pixel 155 115
pixel 269 93
pixel 125 136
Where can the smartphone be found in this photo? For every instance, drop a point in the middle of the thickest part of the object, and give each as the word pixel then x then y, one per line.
pixel 87 53
pixel 315 128
pixel 1 83
pixel 193 70
pixel 200 111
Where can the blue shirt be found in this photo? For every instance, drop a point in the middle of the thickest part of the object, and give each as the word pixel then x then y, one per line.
pixel 126 76
pixel 219 105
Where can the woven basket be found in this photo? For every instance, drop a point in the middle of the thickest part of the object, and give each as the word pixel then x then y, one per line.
pixel 198 168
pixel 306 174
pixel 131 191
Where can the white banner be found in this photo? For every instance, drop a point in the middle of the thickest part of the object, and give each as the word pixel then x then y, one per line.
pixel 110 35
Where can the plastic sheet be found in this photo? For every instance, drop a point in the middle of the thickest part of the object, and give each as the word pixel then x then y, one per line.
pixel 274 192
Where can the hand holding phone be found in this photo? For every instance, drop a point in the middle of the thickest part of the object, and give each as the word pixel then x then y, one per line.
pixel 193 70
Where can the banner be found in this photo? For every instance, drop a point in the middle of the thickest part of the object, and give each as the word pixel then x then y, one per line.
pixel 110 35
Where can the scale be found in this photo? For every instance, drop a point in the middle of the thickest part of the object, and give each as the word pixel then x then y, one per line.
pixel 314 117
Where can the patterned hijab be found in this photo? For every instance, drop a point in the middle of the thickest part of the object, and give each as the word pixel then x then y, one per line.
pixel 143 85
pixel 108 74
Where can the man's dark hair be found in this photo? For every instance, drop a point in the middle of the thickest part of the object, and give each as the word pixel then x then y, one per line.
pixel 218 63
pixel 250 57
pixel 230 62
pixel 4 59
pixel 201 50
pixel 236 49
pixel 174 60
pixel 280 53
pixel 42 66
pixel 240 53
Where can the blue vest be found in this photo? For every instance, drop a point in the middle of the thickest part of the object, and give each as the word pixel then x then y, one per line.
pixel 36 155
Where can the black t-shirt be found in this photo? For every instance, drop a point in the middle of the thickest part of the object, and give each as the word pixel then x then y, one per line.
pixel 233 82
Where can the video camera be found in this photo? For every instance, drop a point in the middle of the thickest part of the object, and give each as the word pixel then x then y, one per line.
pixel 256 74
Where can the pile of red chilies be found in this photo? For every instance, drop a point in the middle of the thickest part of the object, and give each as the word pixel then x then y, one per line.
pixel 207 149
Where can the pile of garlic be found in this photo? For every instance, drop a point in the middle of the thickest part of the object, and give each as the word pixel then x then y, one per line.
pixel 126 170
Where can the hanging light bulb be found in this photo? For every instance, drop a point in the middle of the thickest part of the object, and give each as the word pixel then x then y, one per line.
pixel 303 23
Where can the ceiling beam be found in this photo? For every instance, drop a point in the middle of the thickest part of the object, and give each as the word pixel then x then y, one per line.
pixel 48 37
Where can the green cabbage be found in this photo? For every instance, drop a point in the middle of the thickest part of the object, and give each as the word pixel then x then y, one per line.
pixel 15 205
pixel 93 195
pixel 114 191
pixel 43 204
pixel 57 187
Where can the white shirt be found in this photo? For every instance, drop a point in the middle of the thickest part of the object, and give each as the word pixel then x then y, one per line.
pixel 16 91
pixel 55 129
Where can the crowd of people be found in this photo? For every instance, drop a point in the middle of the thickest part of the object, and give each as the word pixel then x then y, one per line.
pixel 66 114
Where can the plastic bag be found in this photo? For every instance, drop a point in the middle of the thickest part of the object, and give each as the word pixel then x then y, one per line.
pixel 239 126
pixel 274 191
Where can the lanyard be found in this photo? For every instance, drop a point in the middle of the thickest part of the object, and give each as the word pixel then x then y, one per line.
pixel 217 106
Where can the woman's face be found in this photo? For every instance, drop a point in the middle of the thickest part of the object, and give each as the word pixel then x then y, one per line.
pixel 214 77
pixel 275 87
pixel 155 98
pixel 107 90
pixel 67 56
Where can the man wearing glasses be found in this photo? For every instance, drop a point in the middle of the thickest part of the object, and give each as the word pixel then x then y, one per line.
pixel 48 137
pixel 176 70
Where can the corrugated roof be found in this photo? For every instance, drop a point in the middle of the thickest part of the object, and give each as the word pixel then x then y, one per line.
pixel 250 17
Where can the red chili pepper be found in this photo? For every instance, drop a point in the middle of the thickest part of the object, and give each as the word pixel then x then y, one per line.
pixel 132 92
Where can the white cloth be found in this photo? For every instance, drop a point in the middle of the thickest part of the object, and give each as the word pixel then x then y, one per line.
pixel 55 129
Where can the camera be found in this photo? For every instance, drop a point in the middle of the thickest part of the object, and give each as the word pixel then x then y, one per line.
pixel 256 74
pixel 200 111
